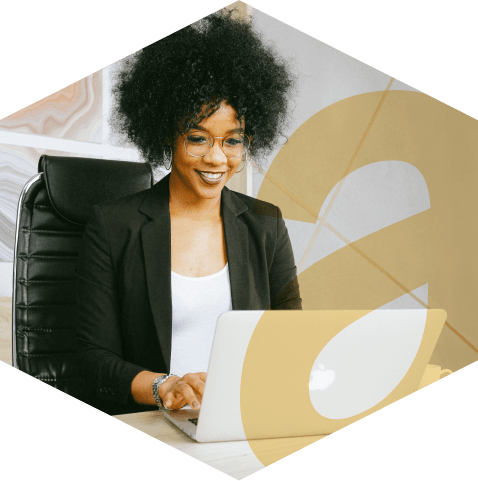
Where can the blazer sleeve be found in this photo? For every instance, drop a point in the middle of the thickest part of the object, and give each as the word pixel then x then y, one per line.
pixel 98 317
pixel 284 286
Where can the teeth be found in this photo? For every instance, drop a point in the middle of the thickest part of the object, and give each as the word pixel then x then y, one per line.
pixel 209 175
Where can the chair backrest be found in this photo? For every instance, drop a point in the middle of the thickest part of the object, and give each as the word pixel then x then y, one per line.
pixel 53 209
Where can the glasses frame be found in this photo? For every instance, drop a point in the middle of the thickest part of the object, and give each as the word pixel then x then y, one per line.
pixel 245 151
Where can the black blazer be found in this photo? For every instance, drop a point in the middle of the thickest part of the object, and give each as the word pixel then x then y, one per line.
pixel 124 320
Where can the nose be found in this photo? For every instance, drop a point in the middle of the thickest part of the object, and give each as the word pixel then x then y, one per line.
pixel 216 155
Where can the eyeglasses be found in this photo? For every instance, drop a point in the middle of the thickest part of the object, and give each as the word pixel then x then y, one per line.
pixel 198 143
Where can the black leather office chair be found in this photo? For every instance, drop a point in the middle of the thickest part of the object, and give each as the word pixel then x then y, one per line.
pixel 53 209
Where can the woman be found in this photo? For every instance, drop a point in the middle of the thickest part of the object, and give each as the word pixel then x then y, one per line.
pixel 157 268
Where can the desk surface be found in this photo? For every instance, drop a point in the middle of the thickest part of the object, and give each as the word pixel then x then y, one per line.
pixel 235 458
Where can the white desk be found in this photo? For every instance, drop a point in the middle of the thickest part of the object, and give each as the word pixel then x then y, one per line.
pixel 235 458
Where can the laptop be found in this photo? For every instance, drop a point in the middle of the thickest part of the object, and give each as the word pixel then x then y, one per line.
pixel 276 374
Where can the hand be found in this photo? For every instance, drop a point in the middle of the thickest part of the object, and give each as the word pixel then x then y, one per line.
pixel 177 391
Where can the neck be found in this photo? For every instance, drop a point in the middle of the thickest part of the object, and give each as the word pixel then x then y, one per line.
pixel 183 202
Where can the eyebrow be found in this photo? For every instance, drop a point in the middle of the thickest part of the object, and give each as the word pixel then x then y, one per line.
pixel 199 127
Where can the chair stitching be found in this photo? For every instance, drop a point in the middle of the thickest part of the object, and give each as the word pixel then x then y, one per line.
pixel 25 281
pixel 45 231
pixel 46 329
pixel 40 205
pixel 58 378
pixel 41 306
pixel 34 256
pixel 57 354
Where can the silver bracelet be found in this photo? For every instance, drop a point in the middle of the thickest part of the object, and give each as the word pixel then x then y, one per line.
pixel 156 384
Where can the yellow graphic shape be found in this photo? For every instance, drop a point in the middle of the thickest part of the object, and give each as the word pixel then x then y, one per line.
pixel 275 396
pixel 437 246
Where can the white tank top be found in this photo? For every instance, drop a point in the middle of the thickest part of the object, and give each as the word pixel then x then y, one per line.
pixel 197 303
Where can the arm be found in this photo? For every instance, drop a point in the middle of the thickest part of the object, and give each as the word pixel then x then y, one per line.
pixel 98 317
pixel 284 286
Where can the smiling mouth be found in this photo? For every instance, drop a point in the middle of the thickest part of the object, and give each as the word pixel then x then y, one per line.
pixel 210 177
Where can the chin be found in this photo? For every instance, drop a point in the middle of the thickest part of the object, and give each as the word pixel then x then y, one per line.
pixel 210 193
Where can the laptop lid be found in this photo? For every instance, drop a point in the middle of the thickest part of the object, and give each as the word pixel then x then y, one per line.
pixel 296 373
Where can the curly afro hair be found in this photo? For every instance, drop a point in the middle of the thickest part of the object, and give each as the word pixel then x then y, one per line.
pixel 218 59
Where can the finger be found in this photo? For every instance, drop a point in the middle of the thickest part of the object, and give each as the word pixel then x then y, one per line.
pixel 167 395
pixel 195 381
pixel 197 384
pixel 167 385
pixel 171 386
pixel 174 401
pixel 172 396
pixel 200 375
pixel 199 397
pixel 188 393
pixel 168 400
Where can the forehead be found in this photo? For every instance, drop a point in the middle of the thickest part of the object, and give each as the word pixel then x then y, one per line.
pixel 223 119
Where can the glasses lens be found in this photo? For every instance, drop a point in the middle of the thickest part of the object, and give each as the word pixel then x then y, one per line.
pixel 235 145
pixel 198 143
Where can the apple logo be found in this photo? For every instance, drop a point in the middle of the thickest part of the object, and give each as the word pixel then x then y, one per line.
pixel 321 379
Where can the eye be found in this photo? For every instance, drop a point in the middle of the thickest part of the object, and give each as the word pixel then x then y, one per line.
pixel 234 141
pixel 197 139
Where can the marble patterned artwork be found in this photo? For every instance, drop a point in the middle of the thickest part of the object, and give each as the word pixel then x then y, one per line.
pixel 17 166
pixel 73 113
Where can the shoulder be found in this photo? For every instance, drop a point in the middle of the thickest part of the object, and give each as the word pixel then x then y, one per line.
pixel 122 213
pixel 263 219
pixel 257 207
pixel 124 205
pixel 142 205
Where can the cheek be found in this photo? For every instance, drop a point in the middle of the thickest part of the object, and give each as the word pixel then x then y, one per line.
pixel 236 164
pixel 183 162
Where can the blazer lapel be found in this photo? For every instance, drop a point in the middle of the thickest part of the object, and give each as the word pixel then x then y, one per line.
pixel 237 249
pixel 156 241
